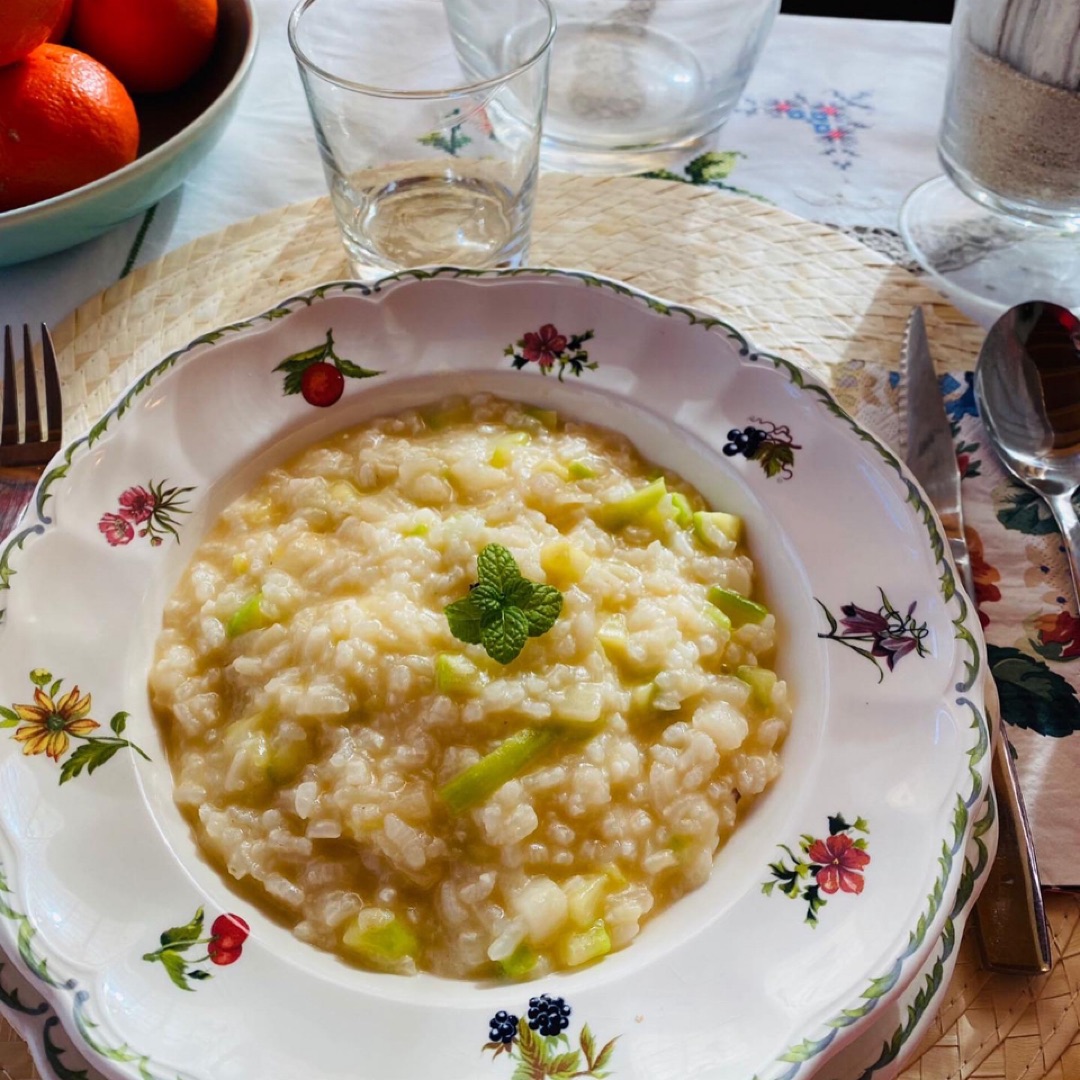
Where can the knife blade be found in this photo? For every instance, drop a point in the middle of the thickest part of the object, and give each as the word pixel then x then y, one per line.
pixel 1010 919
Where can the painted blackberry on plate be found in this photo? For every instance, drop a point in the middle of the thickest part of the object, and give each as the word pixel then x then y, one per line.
pixel 539 1044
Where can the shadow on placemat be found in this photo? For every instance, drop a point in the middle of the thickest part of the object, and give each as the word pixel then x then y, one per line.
pixel 795 288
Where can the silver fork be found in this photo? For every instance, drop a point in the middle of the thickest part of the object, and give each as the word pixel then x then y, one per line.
pixel 26 445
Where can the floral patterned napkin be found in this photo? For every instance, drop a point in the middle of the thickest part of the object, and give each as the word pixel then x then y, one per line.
pixel 1022 592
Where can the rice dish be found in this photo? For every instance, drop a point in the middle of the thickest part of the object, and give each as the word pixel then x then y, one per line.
pixel 395 792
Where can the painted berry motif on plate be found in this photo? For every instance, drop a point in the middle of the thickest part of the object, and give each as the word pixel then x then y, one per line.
pixel 823 866
pixel 224 944
pixel 769 444
pixel 546 347
pixel 882 634
pixel 145 512
pixel 318 374
pixel 540 1046
pixel 50 723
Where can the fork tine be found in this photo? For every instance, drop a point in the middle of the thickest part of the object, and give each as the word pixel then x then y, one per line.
pixel 9 416
pixel 31 413
pixel 52 386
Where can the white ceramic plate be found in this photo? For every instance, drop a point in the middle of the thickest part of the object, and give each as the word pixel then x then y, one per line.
pixel 885 767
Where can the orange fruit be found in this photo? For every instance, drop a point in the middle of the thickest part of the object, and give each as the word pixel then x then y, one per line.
pixel 60 28
pixel 25 25
pixel 65 120
pixel 149 46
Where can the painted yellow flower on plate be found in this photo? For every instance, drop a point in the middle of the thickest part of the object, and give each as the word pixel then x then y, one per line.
pixel 47 724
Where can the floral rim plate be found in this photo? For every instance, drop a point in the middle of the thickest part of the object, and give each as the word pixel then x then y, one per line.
pixel 833 895
pixel 881 1052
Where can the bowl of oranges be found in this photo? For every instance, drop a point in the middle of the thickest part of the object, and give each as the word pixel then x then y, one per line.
pixel 105 106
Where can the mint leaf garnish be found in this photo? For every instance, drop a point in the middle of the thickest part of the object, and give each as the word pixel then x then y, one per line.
pixel 503 609
pixel 464 619
pixel 542 609
pixel 504 635
pixel 496 566
pixel 488 598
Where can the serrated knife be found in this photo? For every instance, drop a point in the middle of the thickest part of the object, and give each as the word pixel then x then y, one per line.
pixel 1009 916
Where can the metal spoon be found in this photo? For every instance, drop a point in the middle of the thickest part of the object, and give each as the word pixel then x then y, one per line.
pixel 1027 385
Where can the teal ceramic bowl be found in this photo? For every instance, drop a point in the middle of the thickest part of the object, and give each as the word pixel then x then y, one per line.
pixel 177 130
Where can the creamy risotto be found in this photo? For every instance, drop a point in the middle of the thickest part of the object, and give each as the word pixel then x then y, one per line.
pixel 401 796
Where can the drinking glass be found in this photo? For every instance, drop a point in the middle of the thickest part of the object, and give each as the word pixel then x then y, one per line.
pixel 1002 226
pixel 637 85
pixel 427 116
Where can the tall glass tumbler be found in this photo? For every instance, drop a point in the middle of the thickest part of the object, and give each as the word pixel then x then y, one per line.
pixel 427 115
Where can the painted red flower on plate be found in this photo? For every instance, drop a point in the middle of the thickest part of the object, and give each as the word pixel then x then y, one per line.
pixel 841 864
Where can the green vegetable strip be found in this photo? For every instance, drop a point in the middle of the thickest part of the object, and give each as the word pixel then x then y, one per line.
pixel 489 774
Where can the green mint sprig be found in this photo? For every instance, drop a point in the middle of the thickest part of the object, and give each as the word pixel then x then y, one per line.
pixel 503 609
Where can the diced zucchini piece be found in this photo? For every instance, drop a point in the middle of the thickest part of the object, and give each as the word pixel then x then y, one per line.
pixel 641 702
pixel 239 731
pixel 240 564
pixel 578 706
pixel 552 465
pixel 619 513
pixel 265 721
pixel 761 682
pixel 520 962
pixel 682 513
pixel 738 608
pixel 542 906
pixel 591 944
pixel 489 774
pixel 505 445
pixel 248 616
pixel 617 880
pixel 456 674
pixel 247 742
pixel 379 937
pixel 548 417
pixel 581 470
pixel 287 759
pixel 419 529
pixel 453 412
pixel 717 530
pixel 564 563
pixel 473 478
pixel 722 621
pixel 681 846
pixel 585 893
pixel 615 640
pixel 345 492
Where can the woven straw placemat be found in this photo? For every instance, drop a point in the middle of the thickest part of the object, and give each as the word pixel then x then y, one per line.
pixel 795 288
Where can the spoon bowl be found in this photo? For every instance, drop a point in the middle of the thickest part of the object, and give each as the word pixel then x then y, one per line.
pixel 1027 385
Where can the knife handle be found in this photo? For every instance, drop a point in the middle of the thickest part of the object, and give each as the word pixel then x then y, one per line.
pixel 1010 919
